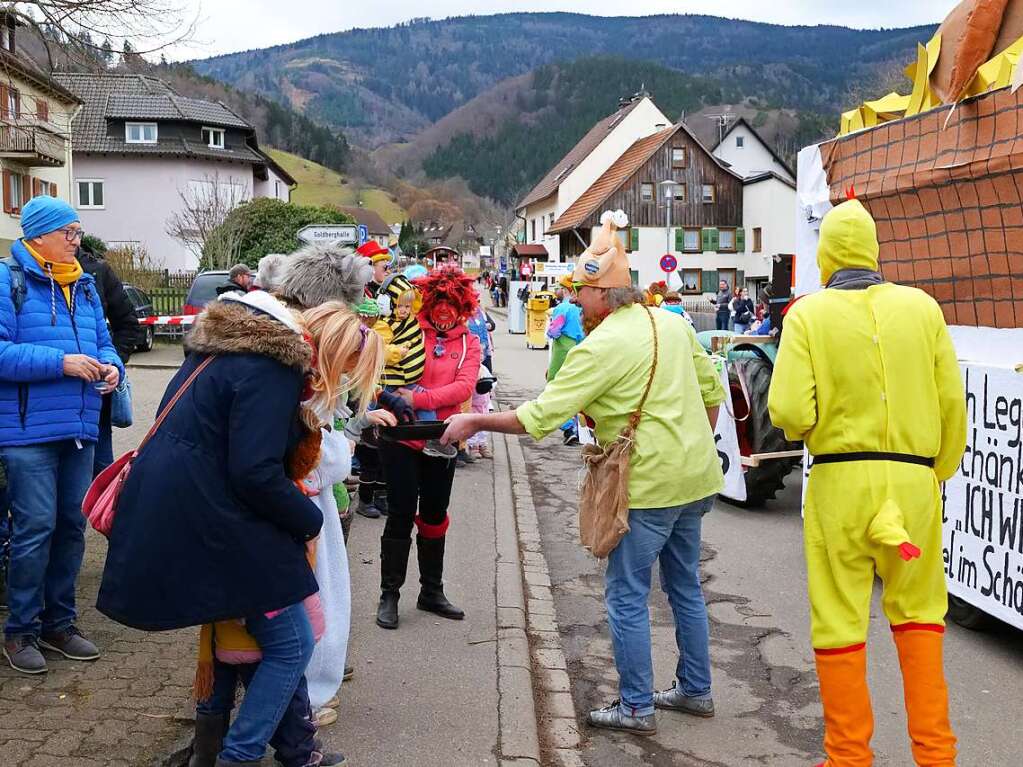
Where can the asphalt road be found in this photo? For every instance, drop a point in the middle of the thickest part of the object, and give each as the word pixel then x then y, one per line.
pixel 755 583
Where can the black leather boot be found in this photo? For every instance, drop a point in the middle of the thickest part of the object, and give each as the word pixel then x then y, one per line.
pixel 380 497
pixel 210 730
pixel 431 577
pixel 393 564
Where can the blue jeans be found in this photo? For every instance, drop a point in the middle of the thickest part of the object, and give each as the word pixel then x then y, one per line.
pixel 104 455
pixel 671 535
pixel 295 738
pixel 286 641
pixel 46 484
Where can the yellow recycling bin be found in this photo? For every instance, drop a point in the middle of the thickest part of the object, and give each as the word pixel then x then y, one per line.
pixel 538 311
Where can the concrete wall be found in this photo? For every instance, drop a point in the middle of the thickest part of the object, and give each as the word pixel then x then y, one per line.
pixel 751 158
pixel 141 193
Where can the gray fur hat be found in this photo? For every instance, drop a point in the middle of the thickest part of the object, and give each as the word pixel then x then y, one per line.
pixel 319 273
pixel 270 273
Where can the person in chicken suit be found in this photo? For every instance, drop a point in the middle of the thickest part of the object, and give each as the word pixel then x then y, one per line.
pixel 867 376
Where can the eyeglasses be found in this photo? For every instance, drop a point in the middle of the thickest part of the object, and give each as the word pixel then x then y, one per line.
pixel 72 234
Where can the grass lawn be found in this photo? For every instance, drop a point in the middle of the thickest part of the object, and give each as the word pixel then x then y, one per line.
pixel 318 185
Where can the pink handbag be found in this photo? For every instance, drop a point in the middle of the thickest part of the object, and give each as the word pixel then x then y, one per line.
pixel 100 504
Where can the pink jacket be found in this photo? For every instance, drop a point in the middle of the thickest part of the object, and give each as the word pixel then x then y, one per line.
pixel 450 379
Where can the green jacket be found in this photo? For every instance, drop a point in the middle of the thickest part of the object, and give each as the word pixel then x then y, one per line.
pixel 674 460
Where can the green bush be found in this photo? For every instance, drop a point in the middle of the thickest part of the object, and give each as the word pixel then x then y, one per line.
pixel 262 226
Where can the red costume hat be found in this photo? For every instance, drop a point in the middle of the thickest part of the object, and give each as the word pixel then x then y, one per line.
pixel 374 251
pixel 448 285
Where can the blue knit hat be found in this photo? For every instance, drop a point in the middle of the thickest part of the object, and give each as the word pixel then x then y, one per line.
pixel 42 215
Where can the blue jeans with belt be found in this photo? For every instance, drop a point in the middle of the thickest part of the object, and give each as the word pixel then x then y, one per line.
pixel 46 484
pixel 672 536
pixel 286 641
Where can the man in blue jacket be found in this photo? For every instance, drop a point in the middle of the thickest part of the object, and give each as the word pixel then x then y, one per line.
pixel 56 361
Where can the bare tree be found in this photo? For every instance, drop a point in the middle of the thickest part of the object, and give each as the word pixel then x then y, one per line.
pixel 204 224
pixel 77 29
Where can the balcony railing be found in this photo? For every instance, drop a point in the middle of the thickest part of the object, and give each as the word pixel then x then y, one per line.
pixel 31 143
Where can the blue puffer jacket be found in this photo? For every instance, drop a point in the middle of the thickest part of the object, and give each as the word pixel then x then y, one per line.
pixel 38 403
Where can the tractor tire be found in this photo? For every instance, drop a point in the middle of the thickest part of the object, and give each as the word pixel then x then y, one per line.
pixel 764 481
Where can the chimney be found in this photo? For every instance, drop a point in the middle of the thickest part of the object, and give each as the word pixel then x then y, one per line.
pixel 660 126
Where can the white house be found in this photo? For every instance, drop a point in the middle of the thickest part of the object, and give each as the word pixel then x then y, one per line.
pixel 142 152
pixel 35 133
pixel 597 151
pixel 749 155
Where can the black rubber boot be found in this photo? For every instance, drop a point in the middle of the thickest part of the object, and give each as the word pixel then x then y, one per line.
pixel 393 564
pixel 431 577
pixel 210 730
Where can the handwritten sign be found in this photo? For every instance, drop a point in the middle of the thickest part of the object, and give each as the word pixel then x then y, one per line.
pixel 982 505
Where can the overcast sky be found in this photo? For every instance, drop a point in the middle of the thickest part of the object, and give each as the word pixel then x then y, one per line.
pixel 233 25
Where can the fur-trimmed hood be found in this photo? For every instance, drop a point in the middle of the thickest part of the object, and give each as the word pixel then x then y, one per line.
pixel 237 327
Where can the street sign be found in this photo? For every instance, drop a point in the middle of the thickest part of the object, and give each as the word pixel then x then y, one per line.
pixel 668 263
pixel 346 234
pixel 552 269
pixel 363 234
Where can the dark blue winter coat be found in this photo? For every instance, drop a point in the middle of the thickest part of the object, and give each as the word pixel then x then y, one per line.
pixel 38 403
pixel 208 526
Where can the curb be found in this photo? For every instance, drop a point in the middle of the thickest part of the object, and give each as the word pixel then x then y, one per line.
pixel 557 724
pixel 519 742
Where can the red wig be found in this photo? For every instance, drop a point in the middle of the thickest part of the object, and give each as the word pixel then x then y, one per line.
pixel 450 285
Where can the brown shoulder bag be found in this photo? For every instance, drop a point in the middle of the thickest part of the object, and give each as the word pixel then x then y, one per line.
pixel 604 498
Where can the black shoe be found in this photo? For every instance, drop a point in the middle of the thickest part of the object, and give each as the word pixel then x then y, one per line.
pixel 380 501
pixel 208 741
pixel 387 610
pixel 464 459
pixel 368 510
pixel 571 438
pixel 393 564
pixel 431 576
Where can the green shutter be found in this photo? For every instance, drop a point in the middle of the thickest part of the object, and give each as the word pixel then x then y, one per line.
pixel 634 274
pixel 634 242
pixel 715 240
pixel 705 236
pixel 710 281
pixel 740 278
pixel 680 240
pixel 740 240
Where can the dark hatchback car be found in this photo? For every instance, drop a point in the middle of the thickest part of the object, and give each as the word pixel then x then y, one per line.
pixel 203 290
pixel 143 306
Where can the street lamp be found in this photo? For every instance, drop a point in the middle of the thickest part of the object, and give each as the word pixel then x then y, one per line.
pixel 668 185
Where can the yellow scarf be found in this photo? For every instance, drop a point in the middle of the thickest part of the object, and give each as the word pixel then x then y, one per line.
pixel 62 273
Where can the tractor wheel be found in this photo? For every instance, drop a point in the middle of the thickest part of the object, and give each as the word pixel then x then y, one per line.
pixel 758 435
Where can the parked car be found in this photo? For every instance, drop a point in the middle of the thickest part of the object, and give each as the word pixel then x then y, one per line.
pixel 203 290
pixel 143 306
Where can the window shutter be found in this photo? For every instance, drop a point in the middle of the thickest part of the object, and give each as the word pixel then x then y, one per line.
pixel 53 189
pixel 705 240
pixel 37 187
pixel 8 206
pixel 740 278
pixel 740 240
pixel 42 109
pixel 634 239
pixel 3 101
pixel 26 189
pixel 710 282
pixel 17 102
pixel 680 239
pixel 715 240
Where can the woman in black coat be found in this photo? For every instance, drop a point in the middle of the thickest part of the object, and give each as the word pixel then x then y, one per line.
pixel 209 525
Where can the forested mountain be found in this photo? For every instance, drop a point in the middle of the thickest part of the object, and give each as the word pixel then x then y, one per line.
pixel 384 84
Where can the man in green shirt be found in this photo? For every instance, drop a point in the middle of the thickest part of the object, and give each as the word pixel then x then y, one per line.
pixel 674 475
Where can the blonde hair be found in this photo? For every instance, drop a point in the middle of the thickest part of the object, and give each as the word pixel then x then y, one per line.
pixel 350 359
pixel 408 298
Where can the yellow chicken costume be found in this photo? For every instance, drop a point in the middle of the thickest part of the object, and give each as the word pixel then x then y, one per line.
pixel 867 376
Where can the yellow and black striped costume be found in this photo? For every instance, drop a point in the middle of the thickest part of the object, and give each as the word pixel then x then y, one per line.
pixel 403 371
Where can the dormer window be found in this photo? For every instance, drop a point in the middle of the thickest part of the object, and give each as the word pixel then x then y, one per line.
pixel 213 137
pixel 140 133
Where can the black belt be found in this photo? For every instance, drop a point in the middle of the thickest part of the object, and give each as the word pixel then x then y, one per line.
pixel 919 460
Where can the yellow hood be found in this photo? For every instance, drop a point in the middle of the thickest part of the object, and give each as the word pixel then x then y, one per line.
pixel 848 240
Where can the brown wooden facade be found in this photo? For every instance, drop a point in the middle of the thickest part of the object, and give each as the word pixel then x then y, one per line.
pixel 698 168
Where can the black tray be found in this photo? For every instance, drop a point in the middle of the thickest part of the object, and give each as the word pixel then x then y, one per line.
pixel 420 430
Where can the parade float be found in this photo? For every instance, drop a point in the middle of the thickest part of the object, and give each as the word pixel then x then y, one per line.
pixel 941 171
